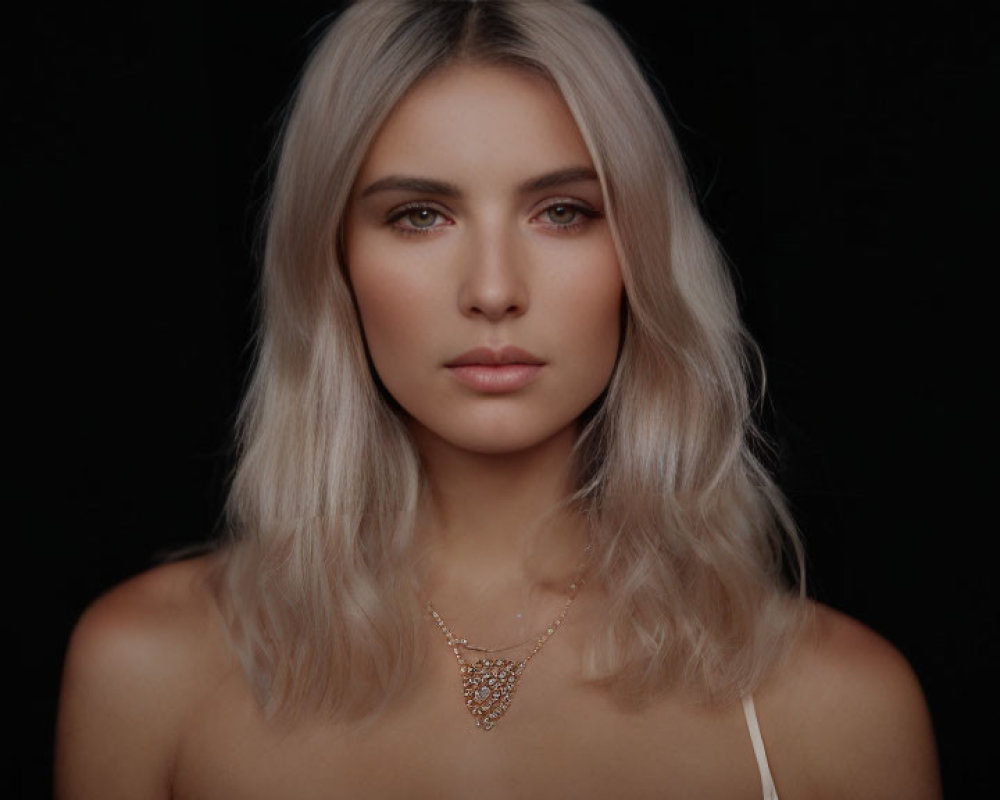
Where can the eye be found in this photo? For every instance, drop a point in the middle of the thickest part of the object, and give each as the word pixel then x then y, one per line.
pixel 561 214
pixel 421 217
pixel 565 216
pixel 415 219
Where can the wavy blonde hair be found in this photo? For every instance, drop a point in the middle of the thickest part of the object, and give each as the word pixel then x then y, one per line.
pixel 689 530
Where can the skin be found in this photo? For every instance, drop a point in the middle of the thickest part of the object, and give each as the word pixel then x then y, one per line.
pixel 154 704
pixel 490 259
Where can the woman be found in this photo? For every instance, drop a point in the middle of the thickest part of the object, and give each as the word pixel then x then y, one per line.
pixel 497 525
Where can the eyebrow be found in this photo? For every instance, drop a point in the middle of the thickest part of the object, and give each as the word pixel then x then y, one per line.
pixel 407 183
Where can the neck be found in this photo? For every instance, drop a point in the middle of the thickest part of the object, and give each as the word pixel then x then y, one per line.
pixel 498 523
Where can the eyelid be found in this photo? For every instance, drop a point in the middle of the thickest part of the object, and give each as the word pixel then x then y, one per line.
pixel 575 202
pixel 416 205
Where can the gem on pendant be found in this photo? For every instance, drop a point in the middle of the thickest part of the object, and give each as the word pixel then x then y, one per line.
pixel 482 693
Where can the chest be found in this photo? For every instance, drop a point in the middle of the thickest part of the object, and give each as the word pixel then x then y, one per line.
pixel 559 738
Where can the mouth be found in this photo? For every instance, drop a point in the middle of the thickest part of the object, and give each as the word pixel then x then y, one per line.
pixel 495 371
pixel 487 357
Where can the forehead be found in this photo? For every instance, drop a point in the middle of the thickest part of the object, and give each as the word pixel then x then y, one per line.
pixel 469 120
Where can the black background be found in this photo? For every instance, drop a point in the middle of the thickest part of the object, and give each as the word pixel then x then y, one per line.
pixel 842 154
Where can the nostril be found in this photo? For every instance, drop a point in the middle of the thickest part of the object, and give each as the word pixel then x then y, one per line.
pixel 497 306
pixel 496 311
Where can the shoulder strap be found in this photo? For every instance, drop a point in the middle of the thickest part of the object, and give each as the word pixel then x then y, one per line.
pixel 766 781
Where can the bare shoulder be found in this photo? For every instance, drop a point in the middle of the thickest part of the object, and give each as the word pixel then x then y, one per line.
pixel 138 659
pixel 847 717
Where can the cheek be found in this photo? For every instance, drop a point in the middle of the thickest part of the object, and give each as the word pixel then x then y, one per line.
pixel 379 305
pixel 606 331
pixel 374 295
pixel 383 322
pixel 591 304
pixel 397 311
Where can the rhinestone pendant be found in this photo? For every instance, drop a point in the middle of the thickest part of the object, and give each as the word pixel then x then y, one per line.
pixel 489 687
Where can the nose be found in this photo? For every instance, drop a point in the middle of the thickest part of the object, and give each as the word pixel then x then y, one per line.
pixel 493 285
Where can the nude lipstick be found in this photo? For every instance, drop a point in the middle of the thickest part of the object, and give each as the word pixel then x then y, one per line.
pixel 495 371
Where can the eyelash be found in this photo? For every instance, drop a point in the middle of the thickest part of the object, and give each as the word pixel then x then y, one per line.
pixel 584 214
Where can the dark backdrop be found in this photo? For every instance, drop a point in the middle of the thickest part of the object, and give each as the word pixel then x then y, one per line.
pixel 842 155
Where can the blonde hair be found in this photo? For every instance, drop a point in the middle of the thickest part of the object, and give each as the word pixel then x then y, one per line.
pixel 689 530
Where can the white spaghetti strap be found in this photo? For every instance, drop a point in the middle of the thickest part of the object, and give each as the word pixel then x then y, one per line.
pixel 766 781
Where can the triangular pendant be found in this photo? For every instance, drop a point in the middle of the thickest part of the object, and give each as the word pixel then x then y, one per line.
pixel 489 687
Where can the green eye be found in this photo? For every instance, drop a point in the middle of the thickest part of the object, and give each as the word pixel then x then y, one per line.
pixel 422 217
pixel 561 214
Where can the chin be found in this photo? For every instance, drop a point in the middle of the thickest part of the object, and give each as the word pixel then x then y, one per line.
pixel 501 439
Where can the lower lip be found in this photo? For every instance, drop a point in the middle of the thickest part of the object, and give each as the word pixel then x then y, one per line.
pixel 496 378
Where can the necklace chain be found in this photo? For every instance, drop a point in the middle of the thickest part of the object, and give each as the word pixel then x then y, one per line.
pixel 459 643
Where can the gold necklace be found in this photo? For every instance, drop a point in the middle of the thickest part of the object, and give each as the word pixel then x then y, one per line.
pixel 488 685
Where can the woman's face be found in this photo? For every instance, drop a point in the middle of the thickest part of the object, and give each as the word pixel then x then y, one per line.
pixel 484 270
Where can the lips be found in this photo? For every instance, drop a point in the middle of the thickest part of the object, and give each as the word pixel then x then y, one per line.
pixel 484 356
pixel 495 371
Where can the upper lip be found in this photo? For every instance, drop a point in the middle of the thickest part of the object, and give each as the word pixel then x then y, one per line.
pixel 490 357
